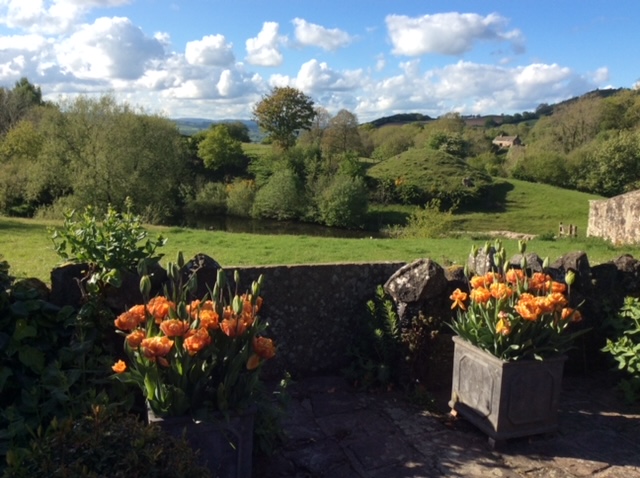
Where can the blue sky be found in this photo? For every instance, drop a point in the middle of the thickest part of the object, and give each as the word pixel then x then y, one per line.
pixel 216 58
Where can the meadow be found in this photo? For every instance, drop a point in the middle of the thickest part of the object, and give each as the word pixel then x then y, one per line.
pixel 527 208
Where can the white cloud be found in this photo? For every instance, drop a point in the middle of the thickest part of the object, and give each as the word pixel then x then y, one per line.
pixel 212 50
pixel 49 16
pixel 317 76
pixel 108 48
pixel 310 34
pixel 447 33
pixel 263 49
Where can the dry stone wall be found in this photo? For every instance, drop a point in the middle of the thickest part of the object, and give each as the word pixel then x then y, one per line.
pixel 616 219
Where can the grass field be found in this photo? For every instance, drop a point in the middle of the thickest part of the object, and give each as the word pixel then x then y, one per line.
pixel 528 208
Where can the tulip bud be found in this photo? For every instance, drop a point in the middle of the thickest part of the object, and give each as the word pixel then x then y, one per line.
pixel 474 251
pixel 236 277
pixel 466 270
pixel 570 277
pixel 522 246
pixel 523 263
pixel 487 247
pixel 545 263
pixel 221 278
pixel 145 286
pixel 237 304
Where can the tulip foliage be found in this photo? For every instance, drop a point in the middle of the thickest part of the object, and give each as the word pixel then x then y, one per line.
pixel 515 315
pixel 194 357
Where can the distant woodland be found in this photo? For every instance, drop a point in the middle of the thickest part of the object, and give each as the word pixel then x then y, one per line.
pixel 330 170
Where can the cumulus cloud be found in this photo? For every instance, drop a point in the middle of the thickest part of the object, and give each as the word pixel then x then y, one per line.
pixel 49 16
pixel 263 50
pixel 212 50
pixel 447 33
pixel 310 34
pixel 107 49
pixel 316 76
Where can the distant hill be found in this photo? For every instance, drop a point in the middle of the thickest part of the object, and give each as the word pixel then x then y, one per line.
pixel 191 126
pixel 400 118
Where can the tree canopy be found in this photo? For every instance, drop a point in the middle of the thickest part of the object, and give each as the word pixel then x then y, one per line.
pixel 283 113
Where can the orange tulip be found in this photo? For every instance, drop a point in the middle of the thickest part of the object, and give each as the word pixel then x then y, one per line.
pixel 503 327
pixel 480 295
pixel 153 347
pixel 135 338
pixel 196 340
pixel 500 290
pixel 127 321
pixel 458 297
pixel 264 347
pixel 515 276
pixel 119 367
pixel 174 327
pixel 159 308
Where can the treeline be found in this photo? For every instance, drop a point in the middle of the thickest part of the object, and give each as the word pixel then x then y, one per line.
pixel 317 167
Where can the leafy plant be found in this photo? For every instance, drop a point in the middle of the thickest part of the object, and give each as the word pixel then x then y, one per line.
pixel 514 315
pixel 47 366
pixel 625 347
pixel 377 353
pixel 194 357
pixel 105 443
pixel 116 243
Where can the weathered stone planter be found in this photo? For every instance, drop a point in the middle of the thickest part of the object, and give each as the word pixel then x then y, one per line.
pixel 225 446
pixel 505 399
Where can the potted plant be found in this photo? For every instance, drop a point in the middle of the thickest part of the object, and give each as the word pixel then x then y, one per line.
pixel 512 335
pixel 197 363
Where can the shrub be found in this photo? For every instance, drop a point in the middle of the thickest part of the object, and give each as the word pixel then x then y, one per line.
pixel 109 246
pixel 427 223
pixel 107 444
pixel 377 349
pixel 210 200
pixel 241 194
pixel 625 347
pixel 344 202
pixel 280 198
pixel 49 363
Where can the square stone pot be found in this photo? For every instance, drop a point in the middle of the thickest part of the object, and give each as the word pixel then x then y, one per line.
pixel 225 444
pixel 505 399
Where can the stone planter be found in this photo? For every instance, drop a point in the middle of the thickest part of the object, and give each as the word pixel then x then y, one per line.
pixel 505 399
pixel 225 445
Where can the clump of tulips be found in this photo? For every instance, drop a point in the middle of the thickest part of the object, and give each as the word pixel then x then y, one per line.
pixel 515 315
pixel 194 356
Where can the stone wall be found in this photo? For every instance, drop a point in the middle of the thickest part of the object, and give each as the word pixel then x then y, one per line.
pixel 311 310
pixel 616 219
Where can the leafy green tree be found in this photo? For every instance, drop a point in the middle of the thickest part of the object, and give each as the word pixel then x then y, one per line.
pixel 283 113
pixel 16 103
pixel 238 131
pixel 344 203
pixel 281 198
pixel 99 152
pixel 342 134
pixel 313 136
pixel 613 166
pixel 220 151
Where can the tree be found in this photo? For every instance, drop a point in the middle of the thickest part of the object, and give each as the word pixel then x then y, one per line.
pixel 99 152
pixel 342 134
pixel 16 103
pixel 238 131
pixel 283 113
pixel 220 151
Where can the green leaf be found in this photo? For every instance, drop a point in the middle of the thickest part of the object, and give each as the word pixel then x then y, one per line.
pixel 23 330
pixel 32 358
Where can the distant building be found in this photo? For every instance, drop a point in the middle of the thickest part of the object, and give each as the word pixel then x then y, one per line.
pixel 504 141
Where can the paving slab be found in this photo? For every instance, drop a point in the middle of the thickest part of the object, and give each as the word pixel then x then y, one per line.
pixel 333 430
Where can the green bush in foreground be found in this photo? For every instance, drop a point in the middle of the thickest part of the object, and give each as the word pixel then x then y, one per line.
pixel 107 444
pixel 625 347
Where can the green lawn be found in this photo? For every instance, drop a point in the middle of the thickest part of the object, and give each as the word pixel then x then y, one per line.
pixel 26 246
